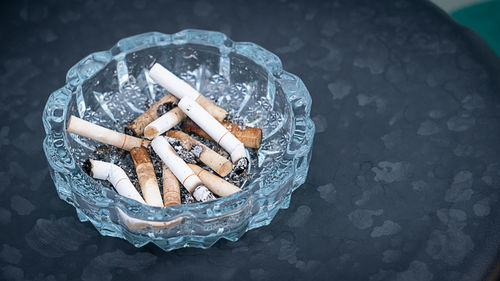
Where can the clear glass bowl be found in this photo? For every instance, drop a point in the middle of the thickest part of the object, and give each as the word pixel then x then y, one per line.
pixel 112 87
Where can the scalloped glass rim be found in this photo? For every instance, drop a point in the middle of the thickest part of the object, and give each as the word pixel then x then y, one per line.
pixel 67 175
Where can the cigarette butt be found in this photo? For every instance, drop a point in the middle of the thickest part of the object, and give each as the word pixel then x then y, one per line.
pixel 180 89
pixel 180 169
pixel 89 130
pixel 171 188
pixel 136 127
pixel 216 184
pixel 147 177
pixel 249 136
pixel 212 159
pixel 166 122
pixel 115 175
pixel 214 129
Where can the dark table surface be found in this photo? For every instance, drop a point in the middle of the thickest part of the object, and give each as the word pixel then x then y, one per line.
pixel 404 180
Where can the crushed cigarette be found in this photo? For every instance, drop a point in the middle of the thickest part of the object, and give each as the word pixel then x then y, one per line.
pixel 171 188
pixel 181 170
pixel 115 175
pixel 249 136
pixel 215 130
pixel 212 159
pixel 181 88
pixel 136 127
pixel 89 130
pixel 216 184
pixel 147 177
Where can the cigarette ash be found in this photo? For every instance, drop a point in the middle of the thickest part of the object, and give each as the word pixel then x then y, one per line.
pixel 197 150
pixel 165 107
pixel 148 103
pixel 239 175
pixel 157 164
pixel 180 149
pixel 186 197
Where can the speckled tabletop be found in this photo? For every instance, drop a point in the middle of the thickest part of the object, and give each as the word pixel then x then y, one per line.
pixel 405 174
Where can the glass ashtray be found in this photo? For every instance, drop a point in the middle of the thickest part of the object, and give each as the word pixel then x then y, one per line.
pixel 111 88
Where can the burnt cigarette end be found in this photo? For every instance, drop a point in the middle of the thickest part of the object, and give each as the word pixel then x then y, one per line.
pixel 165 107
pixel 202 194
pixel 129 131
pixel 197 150
pixel 241 165
pixel 87 167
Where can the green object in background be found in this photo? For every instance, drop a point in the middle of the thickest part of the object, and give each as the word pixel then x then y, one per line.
pixel 484 18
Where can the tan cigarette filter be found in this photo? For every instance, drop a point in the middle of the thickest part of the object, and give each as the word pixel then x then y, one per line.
pixel 137 126
pixel 249 136
pixel 164 123
pixel 171 188
pixel 216 184
pixel 89 130
pixel 147 177
pixel 212 159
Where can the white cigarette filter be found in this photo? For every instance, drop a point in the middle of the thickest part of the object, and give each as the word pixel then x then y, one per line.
pixel 181 170
pixel 181 89
pixel 89 130
pixel 166 122
pixel 214 129
pixel 216 184
pixel 115 175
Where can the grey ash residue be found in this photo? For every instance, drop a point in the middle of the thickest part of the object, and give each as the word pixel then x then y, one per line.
pixel 109 153
pixel 239 175
pixel 87 167
pixel 165 107
pixel 186 197
pixel 196 150
pixel 148 103
pixel 157 164
pixel 129 132
pixel 187 156
pixel 241 166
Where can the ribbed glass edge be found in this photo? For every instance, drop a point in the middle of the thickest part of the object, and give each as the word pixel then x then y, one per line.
pixel 67 176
